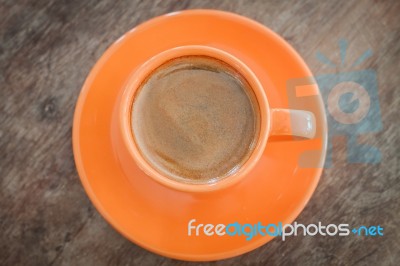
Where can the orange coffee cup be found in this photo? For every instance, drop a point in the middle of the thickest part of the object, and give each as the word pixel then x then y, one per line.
pixel 273 122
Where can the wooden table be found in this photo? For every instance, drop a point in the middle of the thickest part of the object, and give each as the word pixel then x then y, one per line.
pixel 47 48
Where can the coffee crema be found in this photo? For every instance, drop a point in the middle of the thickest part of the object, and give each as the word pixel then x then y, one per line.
pixel 195 119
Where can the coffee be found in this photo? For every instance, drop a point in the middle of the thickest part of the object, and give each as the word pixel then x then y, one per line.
pixel 195 119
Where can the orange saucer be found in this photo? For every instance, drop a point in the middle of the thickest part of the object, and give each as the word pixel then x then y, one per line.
pixel 156 217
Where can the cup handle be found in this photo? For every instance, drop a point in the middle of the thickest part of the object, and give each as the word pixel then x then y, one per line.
pixel 288 122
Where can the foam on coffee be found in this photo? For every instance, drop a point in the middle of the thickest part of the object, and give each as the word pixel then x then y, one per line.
pixel 195 119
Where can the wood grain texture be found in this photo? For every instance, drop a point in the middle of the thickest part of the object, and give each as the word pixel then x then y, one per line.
pixel 47 48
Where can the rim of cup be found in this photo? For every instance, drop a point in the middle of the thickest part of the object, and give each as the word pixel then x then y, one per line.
pixel 146 69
